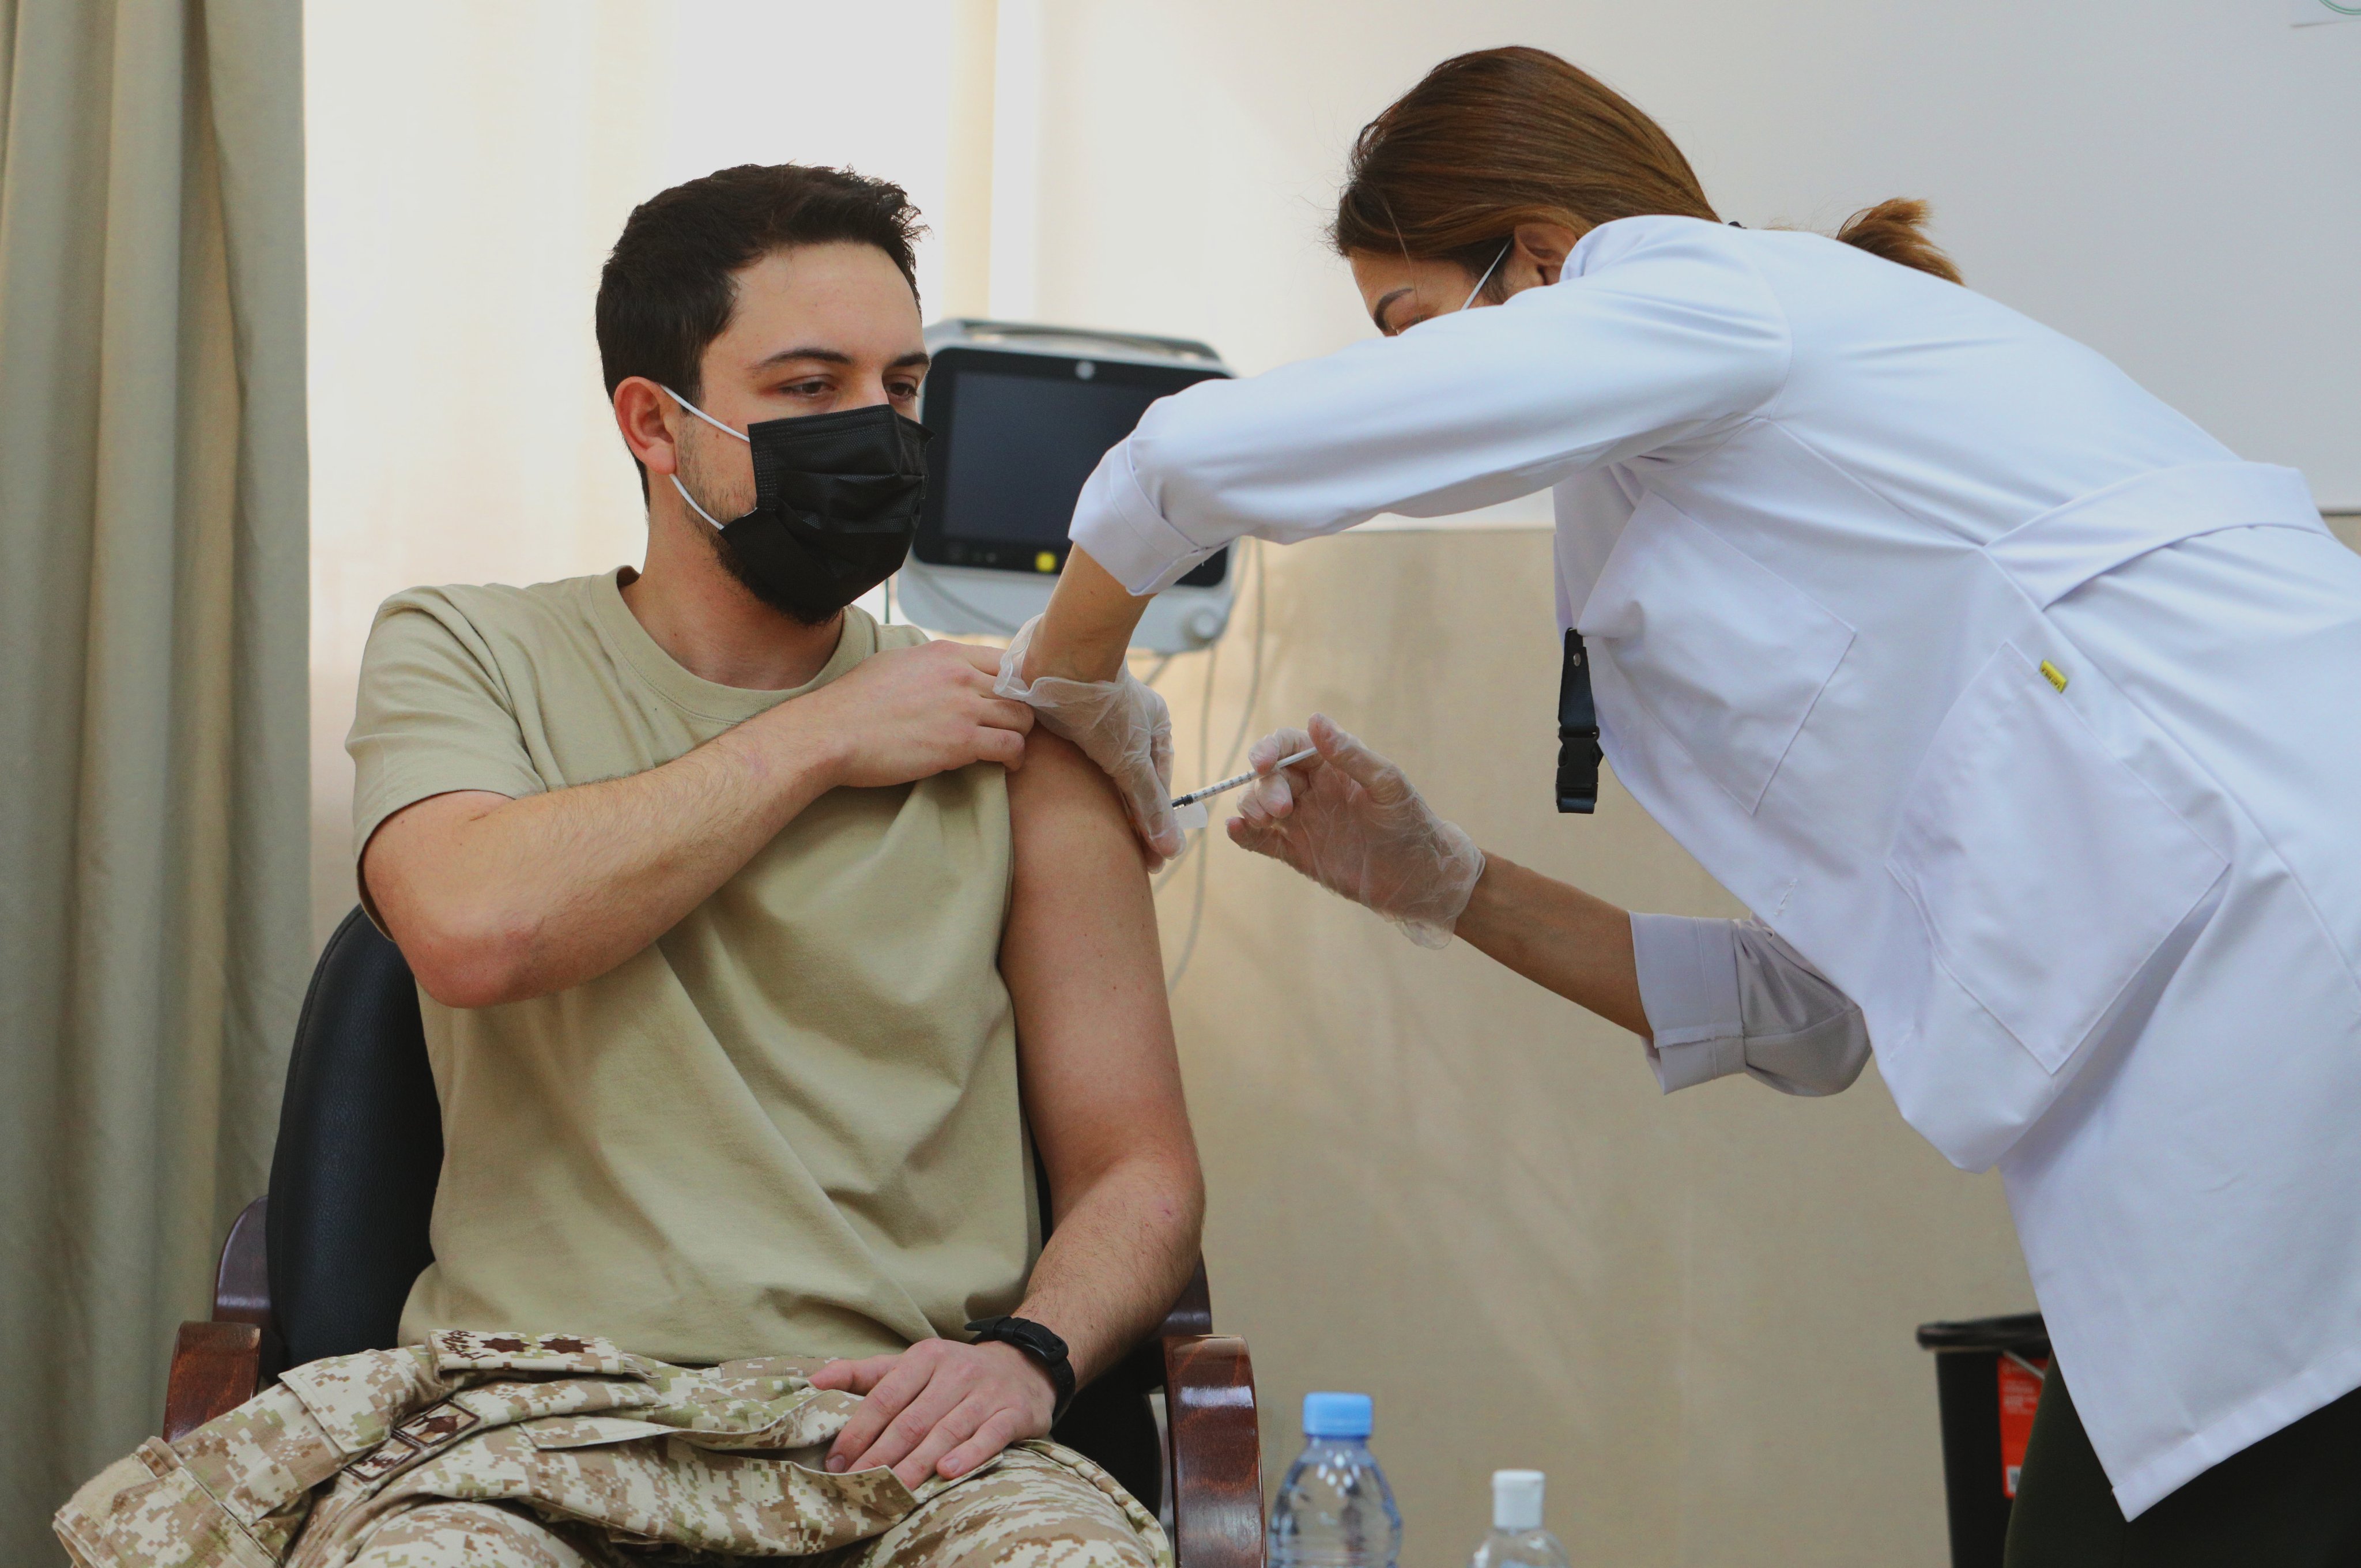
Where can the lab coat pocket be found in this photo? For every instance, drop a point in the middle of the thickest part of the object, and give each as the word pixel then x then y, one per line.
pixel 1728 655
pixel 2048 873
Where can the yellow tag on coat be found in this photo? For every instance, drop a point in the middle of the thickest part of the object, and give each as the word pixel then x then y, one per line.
pixel 2057 676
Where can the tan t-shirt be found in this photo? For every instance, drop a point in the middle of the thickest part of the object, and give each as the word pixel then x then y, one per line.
pixel 791 1126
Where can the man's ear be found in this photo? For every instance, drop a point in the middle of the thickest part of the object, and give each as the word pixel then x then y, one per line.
pixel 1544 247
pixel 645 414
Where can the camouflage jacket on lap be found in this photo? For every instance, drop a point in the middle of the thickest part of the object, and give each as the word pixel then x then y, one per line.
pixel 724 1460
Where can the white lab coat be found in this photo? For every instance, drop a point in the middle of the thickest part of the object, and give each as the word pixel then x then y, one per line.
pixel 2012 701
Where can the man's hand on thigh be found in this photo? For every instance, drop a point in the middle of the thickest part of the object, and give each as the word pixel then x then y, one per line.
pixel 940 1407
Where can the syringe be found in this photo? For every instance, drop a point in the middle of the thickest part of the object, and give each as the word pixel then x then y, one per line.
pixel 1197 819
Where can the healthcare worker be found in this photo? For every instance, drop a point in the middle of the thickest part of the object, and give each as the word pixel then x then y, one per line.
pixel 2023 714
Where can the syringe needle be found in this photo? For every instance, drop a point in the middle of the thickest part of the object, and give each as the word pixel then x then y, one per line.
pixel 1307 755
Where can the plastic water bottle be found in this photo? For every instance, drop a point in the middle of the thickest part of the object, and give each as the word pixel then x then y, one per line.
pixel 1335 1509
pixel 1518 1539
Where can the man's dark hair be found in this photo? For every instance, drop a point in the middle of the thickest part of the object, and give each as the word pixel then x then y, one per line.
pixel 666 291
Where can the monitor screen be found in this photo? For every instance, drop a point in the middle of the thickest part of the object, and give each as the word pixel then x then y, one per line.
pixel 1016 437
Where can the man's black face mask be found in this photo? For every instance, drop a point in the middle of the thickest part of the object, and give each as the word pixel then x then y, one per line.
pixel 836 505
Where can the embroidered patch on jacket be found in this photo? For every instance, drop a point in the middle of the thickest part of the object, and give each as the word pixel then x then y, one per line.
pixel 429 1431
pixel 471 1350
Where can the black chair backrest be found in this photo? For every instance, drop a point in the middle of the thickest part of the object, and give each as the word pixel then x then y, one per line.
pixel 361 1150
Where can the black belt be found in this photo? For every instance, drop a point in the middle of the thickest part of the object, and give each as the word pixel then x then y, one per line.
pixel 1577 731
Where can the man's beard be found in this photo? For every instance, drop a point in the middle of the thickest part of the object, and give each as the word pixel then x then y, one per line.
pixel 692 475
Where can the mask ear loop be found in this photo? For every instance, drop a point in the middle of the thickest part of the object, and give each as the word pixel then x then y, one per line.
pixel 717 424
pixel 1487 273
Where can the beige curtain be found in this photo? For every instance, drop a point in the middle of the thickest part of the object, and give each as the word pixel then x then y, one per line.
pixel 153 941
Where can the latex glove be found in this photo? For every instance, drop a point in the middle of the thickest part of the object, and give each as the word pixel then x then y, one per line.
pixel 1120 724
pixel 1352 823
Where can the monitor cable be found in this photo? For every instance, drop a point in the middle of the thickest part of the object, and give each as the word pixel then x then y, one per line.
pixel 1197 845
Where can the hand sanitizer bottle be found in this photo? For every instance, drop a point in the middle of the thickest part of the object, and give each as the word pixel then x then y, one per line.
pixel 1518 1539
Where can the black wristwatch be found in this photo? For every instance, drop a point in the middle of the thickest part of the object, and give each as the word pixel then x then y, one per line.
pixel 1042 1345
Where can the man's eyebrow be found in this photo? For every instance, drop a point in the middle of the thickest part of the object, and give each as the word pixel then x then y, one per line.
pixel 837 356
pixel 830 356
pixel 1378 311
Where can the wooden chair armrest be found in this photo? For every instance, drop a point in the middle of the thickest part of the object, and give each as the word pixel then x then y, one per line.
pixel 215 1367
pixel 1215 1482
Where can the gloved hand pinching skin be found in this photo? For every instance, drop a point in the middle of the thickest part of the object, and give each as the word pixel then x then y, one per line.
pixel 1121 725
pixel 1352 823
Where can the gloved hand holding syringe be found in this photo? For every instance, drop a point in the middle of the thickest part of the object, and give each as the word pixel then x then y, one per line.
pixel 1345 816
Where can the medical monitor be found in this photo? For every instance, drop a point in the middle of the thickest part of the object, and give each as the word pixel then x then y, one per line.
pixel 1021 415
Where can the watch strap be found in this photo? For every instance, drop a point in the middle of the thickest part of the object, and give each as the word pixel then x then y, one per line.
pixel 1040 1341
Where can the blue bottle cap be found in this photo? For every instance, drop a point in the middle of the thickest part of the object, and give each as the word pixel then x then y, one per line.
pixel 1338 1415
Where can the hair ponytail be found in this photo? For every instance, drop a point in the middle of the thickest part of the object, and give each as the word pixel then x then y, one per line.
pixel 1503 137
pixel 1893 230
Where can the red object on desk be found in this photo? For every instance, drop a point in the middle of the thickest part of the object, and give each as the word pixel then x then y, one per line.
pixel 2020 1396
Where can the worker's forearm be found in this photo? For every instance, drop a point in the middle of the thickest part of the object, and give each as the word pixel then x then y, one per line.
pixel 1556 936
pixel 1088 626
pixel 573 883
pixel 1118 1258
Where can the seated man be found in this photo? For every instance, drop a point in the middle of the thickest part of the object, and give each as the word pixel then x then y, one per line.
pixel 757 939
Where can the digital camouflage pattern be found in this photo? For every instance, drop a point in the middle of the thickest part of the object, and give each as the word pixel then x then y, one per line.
pixel 554 1451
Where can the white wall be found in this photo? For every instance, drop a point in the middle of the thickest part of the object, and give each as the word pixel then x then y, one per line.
pixel 2170 182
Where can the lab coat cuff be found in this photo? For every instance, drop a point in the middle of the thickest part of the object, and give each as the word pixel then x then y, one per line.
pixel 1688 987
pixel 1123 531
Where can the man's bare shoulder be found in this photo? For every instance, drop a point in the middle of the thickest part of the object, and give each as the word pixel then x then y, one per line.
pixel 1057 781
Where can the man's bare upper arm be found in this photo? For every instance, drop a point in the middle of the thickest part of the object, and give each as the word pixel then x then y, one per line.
pixel 1083 967
pixel 405 873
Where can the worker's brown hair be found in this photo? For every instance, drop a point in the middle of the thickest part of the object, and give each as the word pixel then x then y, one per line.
pixel 1513 135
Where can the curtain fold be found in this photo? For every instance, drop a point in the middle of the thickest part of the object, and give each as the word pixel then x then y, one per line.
pixel 153 639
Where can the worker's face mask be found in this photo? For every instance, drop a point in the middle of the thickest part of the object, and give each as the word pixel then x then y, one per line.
pixel 836 505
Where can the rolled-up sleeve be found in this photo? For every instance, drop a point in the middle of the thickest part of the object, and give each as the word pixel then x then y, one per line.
pixel 1726 996
pixel 1115 522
